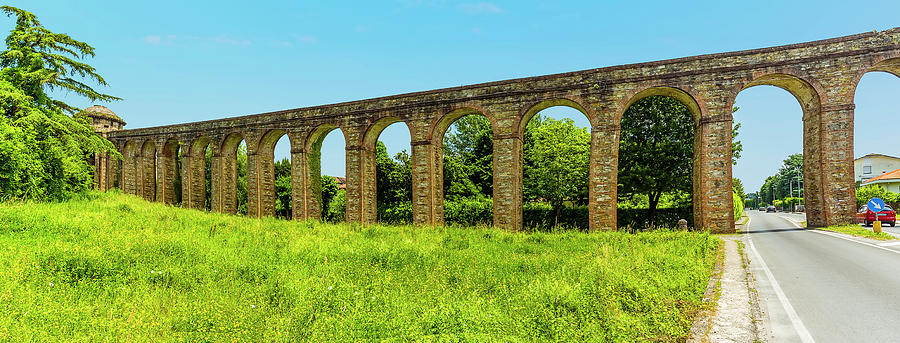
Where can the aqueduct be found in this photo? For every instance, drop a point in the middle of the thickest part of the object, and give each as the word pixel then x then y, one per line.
pixel 822 75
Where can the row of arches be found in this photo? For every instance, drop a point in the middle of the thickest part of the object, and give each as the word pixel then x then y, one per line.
pixel 711 116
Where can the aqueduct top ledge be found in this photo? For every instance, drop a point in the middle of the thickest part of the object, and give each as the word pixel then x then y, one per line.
pixel 582 84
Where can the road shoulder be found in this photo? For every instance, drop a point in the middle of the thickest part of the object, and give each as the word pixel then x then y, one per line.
pixel 735 319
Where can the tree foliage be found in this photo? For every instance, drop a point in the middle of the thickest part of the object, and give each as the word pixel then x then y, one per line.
pixel 44 150
pixel 736 146
pixel 469 158
pixel 656 149
pixel 283 205
pixel 788 179
pixel 393 176
pixel 559 164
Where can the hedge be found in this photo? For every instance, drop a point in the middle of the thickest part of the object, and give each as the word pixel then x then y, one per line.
pixel 536 216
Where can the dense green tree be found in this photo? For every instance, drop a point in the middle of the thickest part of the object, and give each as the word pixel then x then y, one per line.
pixel 470 145
pixel 656 149
pixel 283 206
pixel 738 188
pixel 43 149
pixel 393 176
pixel 329 192
pixel 736 146
pixel 560 164
pixel 242 179
pixel 787 179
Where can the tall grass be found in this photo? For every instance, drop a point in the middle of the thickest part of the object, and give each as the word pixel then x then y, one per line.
pixel 112 267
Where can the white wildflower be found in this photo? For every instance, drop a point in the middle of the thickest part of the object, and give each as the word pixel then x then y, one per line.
pixel 329 288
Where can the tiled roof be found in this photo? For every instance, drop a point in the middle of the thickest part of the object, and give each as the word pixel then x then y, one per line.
pixel 893 175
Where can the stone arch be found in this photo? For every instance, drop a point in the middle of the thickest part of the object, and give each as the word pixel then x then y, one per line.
pixel 887 63
pixel 367 180
pixel 130 167
pixel 808 94
pixel 228 173
pixel 532 110
pixel 170 176
pixel 431 191
pixel 308 173
pixel 442 123
pixel 525 117
pixel 266 174
pixel 694 103
pixel 804 89
pixel 148 170
pixel 698 111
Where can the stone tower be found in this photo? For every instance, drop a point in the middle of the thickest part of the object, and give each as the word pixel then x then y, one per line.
pixel 103 121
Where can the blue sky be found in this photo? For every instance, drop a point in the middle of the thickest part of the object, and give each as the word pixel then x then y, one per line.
pixel 178 61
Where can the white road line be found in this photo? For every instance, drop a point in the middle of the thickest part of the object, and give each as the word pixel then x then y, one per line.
pixel 889 244
pixel 837 235
pixel 795 319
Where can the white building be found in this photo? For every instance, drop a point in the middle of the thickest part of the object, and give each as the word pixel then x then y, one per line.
pixel 873 165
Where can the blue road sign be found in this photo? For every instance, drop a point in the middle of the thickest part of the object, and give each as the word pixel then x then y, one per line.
pixel 875 205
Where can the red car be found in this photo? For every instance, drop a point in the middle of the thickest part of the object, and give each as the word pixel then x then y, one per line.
pixel 866 217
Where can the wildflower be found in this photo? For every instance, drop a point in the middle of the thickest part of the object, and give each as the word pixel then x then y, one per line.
pixel 152 272
pixel 329 288
pixel 355 293
pixel 252 306
pixel 51 284
pixel 373 298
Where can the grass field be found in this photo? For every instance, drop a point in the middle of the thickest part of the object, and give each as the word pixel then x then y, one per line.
pixel 111 267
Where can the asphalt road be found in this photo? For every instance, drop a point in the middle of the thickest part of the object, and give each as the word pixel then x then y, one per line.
pixel 825 288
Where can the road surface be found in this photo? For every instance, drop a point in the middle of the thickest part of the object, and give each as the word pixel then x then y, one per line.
pixel 826 288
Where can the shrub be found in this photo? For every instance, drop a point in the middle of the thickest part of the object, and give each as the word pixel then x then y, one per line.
pixel 636 218
pixel 738 206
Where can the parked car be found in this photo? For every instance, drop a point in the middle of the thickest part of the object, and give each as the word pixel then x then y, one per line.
pixel 762 208
pixel 771 209
pixel 866 217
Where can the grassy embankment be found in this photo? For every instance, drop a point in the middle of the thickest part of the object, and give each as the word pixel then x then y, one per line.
pixel 116 268
pixel 856 230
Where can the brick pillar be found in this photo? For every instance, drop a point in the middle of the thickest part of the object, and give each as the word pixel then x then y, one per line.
pixel 128 173
pixel 812 170
pixel 215 179
pixel 837 187
pixel 254 184
pixel 300 192
pixel 508 182
pixel 165 176
pixel 604 174
pixel 227 182
pixel 357 185
pixel 265 163
pixel 713 201
pixel 427 184
pixel 311 168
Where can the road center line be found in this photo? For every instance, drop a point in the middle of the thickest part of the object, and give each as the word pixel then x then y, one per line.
pixel 792 315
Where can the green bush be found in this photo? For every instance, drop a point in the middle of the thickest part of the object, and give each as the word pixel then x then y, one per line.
pixel 539 216
pixel 738 206
pixel 863 194
pixel 395 213
pixel 469 212
pixel 636 218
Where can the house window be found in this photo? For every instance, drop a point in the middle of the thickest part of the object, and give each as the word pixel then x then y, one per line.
pixel 867 169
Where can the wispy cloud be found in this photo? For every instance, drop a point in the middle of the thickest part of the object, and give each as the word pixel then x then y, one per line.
pixel 306 39
pixel 172 39
pixel 480 8
pixel 221 39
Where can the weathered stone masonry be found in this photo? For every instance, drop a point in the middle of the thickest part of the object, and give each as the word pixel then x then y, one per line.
pixel 822 75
